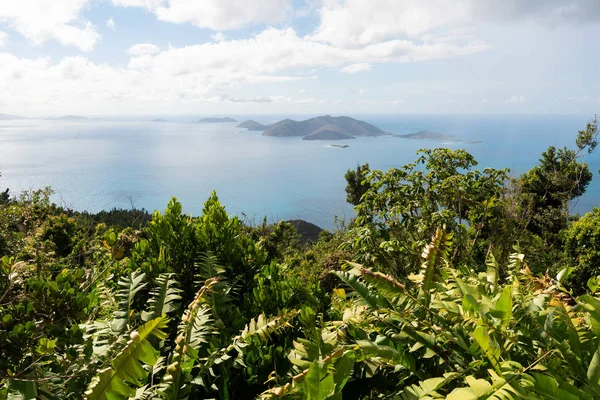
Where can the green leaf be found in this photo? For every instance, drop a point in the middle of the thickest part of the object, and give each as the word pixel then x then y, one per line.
pixel 593 372
pixel 318 382
pixel 22 390
pixel 489 347
pixel 503 308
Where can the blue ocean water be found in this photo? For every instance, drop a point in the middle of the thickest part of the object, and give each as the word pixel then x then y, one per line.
pixel 100 164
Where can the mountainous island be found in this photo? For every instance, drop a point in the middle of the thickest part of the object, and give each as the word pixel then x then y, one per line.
pixel 9 116
pixel 252 125
pixel 215 120
pixel 429 135
pixel 319 128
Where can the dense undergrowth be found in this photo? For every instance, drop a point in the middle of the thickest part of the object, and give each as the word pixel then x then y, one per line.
pixel 451 282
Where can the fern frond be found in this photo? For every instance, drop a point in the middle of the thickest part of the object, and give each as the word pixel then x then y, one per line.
pixel 435 255
pixel 126 371
pixel 367 294
pixel 164 297
pixel 196 325
pixel 129 286
pixel 223 292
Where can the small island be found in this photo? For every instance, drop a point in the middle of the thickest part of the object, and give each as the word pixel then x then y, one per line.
pixel 440 137
pixel 215 120
pixel 252 125
pixel 159 120
pixel 70 118
pixel 340 146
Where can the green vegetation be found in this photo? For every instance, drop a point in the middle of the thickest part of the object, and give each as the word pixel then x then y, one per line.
pixel 451 282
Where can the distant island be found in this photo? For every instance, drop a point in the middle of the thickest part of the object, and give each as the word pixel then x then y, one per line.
pixel 429 135
pixel 68 118
pixel 159 120
pixel 252 125
pixel 214 120
pixel 320 128
pixel 9 116
pixel 341 146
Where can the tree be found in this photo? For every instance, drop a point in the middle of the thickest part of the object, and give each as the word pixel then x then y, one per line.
pixel 582 249
pixel 548 189
pixel 398 210
pixel 357 184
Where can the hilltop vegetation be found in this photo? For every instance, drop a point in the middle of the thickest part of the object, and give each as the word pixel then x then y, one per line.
pixel 451 282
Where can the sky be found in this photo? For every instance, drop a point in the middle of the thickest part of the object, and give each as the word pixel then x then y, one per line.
pixel 221 57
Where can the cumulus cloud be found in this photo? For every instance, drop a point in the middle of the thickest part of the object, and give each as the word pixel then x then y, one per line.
pixel 359 22
pixel 110 24
pixel 354 68
pixel 515 100
pixel 216 14
pixel 3 38
pixel 218 37
pixel 143 49
pixel 198 72
pixel 41 20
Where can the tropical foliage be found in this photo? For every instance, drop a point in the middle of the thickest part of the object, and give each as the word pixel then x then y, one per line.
pixel 451 282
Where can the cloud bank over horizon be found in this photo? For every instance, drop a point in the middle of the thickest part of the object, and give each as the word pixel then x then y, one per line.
pixel 183 56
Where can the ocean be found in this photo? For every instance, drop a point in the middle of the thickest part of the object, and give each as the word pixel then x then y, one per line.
pixel 99 164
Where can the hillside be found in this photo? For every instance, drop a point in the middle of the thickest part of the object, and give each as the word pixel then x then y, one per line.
pixel 214 120
pixel 336 128
pixel 252 125
pixel 328 132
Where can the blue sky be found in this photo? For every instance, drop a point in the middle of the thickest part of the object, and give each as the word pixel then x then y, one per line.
pixel 147 57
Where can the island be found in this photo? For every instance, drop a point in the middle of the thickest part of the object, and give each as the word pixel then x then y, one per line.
pixel 159 120
pixel 324 128
pixel 9 116
pixel 215 120
pixel 252 125
pixel 69 118
pixel 429 135
pixel 341 146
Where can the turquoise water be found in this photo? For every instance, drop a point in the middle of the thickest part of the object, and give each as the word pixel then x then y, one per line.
pixel 100 164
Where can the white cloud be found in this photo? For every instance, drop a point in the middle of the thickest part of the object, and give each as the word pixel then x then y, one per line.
pixel 41 20
pixel 218 37
pixel 147 4
pixel 359 92
pixel 216 14
pixel 110 24
pixel 198 73
pixel 3 38
pixel 143 49
pixel 354 68
pixel 515 100
pixel 350 23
